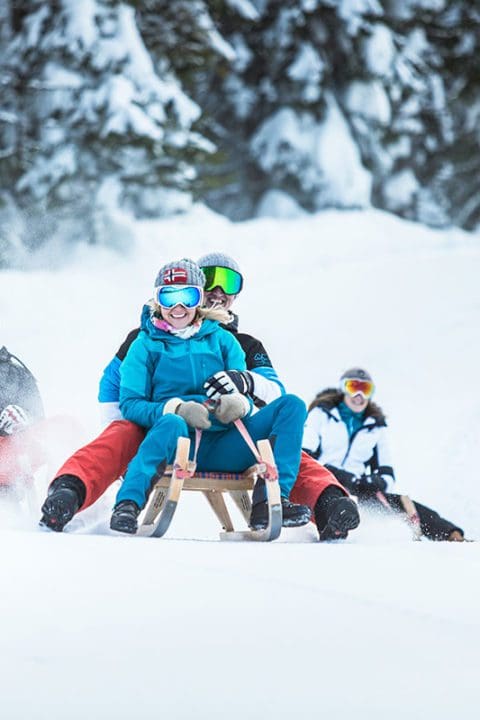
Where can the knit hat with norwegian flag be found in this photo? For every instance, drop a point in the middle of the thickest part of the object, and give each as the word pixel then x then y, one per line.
pixel 180 272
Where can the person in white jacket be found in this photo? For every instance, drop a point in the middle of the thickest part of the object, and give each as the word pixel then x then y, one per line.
pixel 347 433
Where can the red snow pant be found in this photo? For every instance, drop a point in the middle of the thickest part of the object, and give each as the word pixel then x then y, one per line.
pixel 106 458
pixel 25 452
pixel 312 480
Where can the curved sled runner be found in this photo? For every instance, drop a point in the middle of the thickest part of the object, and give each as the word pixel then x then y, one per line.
pixel 182 475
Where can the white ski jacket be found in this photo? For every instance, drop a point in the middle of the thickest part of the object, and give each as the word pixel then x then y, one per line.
pixel 326 439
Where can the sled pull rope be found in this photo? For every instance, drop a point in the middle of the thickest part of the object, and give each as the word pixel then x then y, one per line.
pixel 410 510
pixel 382 499
pixel 271 470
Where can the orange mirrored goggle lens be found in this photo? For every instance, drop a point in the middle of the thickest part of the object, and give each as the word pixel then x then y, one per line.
pixel 353 387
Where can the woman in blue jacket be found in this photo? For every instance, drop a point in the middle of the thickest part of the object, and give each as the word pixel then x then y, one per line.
pixel 180 345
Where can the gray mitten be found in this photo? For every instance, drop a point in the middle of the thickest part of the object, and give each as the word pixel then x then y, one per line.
pixel 231 407
pixel 195 414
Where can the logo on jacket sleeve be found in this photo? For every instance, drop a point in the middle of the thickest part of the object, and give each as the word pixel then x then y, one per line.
pixel 261 359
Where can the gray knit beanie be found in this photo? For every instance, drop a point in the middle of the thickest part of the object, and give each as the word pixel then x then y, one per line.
pixel 219 259
pixel 180 272
pixel 356 374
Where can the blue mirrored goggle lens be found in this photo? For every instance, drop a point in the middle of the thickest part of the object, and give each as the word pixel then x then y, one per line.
pixel 168 297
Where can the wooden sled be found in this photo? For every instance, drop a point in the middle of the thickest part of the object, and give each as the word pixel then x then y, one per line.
pixel 165 495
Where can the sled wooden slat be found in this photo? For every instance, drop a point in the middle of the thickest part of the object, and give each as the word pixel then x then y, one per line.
pixel 217 503
pixel 241 498
pixel 165 495
pixel 215 481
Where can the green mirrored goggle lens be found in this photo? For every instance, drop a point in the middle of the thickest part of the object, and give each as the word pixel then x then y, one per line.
pixel 230 281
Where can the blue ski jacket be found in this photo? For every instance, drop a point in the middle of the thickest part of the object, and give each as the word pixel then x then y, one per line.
pixel 160 366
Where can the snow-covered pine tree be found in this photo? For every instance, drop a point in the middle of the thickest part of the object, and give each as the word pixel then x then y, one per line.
pixel 112 105
pixel 339 102
pixel 419 67
pixel 100 127
pixel 393 92
pixel 453 169
pixel 184 35
pixel 285 136
pixel 10 224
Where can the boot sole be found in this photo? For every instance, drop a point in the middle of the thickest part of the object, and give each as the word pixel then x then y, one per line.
pixel 297 522
pixel 289 522
pixel 49 523
pixel 56 519
pixel 338 530
pixel 124 527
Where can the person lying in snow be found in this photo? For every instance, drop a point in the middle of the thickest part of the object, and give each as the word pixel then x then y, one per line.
pixel 347 432
pixel 26 437
pixel 20 407
pixel 86 475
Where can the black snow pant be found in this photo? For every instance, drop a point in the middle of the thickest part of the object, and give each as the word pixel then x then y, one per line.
pixel 433 526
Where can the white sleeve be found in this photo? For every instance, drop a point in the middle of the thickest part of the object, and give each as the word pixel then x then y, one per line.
pixel 312 431
pixel 384 460
pixel 265 389
pixel 109 411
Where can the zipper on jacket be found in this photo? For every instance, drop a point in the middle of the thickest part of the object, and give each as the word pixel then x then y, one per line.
pixel 192 364
pixel 352 438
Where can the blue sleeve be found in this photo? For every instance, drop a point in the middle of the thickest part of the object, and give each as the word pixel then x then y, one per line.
pixel 136 374
pixel 109 387
pixel 233 354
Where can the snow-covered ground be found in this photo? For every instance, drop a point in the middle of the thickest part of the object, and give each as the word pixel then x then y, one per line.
pixel 378 626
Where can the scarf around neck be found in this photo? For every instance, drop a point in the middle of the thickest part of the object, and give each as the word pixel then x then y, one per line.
pixel 353 420
pixel 183 333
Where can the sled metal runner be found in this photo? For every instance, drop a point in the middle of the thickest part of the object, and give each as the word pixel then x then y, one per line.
pixel 182 475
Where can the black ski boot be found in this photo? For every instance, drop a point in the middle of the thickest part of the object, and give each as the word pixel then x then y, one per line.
pixel 66 496
pixel 335 514
pixel 293 515
pixel 124 517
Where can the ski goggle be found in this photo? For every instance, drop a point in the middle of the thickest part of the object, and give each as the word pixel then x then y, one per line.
pixel 167 296
pixel 230 281
pixel 353 386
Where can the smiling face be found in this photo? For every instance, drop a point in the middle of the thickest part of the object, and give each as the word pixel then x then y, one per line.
pixel 178 316
pixel 217 298
pixel 357 403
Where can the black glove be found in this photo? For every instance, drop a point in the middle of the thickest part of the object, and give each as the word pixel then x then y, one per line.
pixel 226 382
pixel 345 478
pixel 370 484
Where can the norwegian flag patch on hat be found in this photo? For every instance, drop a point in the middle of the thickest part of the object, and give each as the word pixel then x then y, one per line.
pixel 175 276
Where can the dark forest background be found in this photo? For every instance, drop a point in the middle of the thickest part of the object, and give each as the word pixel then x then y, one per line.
pixel 253 107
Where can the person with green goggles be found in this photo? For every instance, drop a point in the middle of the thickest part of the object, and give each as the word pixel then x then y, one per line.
pixel 87 474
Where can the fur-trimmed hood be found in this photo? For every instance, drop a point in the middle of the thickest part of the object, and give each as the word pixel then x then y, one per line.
pixel 232 322
pixel 332 397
